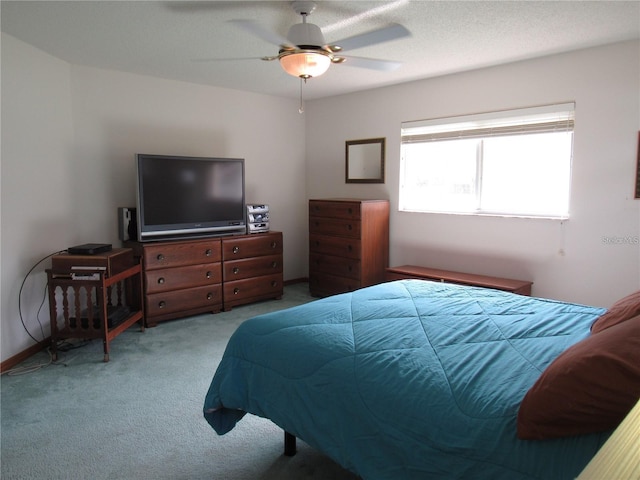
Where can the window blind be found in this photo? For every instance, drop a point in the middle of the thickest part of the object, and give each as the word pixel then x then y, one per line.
pixel 543 119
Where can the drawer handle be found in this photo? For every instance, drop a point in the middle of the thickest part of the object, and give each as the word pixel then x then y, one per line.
pixel 160 257
pixel 317 243
pixel 236 249
pixel 350 248
pixel 274 244
pixel 349 227
pixel 350 210
pixel 274 283
pixel 209 274
pixel 236 270
pixel 162 304
pixel 209 296
pixel 236 291
pixel 161 281
pixel 208 252
pixel 274 264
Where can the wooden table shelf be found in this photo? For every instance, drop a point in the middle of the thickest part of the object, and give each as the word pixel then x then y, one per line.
pixel 97 296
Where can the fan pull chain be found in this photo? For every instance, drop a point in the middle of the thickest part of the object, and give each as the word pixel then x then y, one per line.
pixel 301 109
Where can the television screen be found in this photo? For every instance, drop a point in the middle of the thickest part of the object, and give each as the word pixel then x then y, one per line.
pixel 189 196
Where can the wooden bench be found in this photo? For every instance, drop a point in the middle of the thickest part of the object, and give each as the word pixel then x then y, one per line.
pixel 521 287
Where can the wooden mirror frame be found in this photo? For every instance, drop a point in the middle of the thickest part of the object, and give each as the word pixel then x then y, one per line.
pixel 364 160
pixel 637 193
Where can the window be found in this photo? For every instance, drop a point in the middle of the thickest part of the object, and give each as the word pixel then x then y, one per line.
pixel 514 162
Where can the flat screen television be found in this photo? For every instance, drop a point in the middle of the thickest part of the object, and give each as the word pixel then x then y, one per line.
pixel 185 197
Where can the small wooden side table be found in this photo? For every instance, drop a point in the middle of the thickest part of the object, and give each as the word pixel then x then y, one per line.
pixel 94 296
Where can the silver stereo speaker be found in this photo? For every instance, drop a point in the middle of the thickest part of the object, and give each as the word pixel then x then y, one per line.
pixel 257 218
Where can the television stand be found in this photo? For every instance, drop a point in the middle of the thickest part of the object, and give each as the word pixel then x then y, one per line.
pixel 192 276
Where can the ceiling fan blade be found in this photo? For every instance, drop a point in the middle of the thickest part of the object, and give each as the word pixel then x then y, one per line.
pixel 371 63
pixel 263 33
pixel 386 34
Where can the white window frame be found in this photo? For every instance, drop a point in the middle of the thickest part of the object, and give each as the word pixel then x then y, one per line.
pixel 534 120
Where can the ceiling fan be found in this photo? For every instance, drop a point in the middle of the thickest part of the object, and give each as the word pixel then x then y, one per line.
pixel 304 53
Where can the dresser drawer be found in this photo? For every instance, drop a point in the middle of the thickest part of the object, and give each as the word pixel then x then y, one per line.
pixel 239 291
pixel 322 284
pixel 339 266
pixel 184 300
pixel 334 209
pixel 166 279
pixel 252 267
pixel 334 226
pixel 177 254
pixel 251 246
pixel 337 246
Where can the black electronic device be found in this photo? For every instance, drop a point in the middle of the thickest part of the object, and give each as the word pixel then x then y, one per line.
pixel 183 197
pixel 127 224
pixel 89 249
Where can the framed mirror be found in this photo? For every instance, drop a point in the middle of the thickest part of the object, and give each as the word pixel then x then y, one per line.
pixel 365 161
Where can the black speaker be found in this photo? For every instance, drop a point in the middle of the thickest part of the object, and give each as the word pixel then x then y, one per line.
pixel 127 224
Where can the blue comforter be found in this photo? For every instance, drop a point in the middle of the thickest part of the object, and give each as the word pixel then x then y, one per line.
pixel 407 380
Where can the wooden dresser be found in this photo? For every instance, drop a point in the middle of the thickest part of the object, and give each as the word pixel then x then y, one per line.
pixel 252 268
pixel 348 244
pixel 188 277
pixel 181 278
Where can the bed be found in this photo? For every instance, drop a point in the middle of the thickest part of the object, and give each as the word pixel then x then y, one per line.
pixel 417 379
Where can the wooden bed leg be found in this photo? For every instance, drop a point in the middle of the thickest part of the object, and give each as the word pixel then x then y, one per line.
pixel 289 444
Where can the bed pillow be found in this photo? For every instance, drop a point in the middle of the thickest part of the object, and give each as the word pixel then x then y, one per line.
pixel 621 311
pixel 589 388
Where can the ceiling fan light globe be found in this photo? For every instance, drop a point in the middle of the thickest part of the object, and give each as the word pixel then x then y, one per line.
pixel 305 64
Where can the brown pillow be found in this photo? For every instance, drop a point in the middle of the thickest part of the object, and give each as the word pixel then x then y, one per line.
pixel 589 388
pixel 621 311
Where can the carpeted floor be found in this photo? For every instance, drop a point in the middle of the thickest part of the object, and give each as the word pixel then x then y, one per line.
pixel 139 416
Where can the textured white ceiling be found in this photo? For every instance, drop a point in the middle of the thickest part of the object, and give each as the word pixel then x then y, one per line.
pixel 170 39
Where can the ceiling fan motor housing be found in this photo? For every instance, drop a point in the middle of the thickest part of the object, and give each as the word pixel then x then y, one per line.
pixel 306 35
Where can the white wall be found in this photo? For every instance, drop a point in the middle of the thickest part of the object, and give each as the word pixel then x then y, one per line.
pixel 117 115
pixel 69 135
pixel 68 142
pixel 37 144
pixel 566 260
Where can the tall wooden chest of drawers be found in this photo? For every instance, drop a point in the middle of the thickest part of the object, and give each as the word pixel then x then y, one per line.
pixel 348 244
